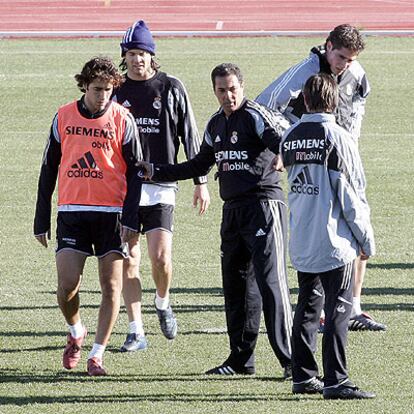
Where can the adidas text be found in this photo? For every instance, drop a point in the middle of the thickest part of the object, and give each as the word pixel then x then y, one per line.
pixel 85 174
pixel 305 189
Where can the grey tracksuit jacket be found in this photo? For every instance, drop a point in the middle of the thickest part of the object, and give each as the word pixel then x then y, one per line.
pixel 284 94
pixel 329 213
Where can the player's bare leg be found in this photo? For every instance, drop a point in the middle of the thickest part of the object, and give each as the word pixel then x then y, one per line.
pixel 110 278
pixel 70 266
pixel 132 294
pixel 160 253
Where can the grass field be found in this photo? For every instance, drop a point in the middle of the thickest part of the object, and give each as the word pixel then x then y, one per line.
pixel 36 78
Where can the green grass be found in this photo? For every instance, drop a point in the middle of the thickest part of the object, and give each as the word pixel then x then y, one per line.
pixel 37 77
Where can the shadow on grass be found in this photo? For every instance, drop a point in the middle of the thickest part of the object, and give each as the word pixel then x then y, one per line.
pixel 211 291
pixel 42 307
pixel 13 375
pixel 293 291
pixel 390 266
pixel 37 349
pixel 388 291
pixel 149 309
pixel 131 398
pixel 386 307
pixel 389 306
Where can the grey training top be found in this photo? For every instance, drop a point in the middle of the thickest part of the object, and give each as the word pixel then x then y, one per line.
pixel 329 213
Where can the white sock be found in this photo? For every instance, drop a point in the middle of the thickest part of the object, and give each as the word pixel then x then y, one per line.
pixel 77 330
pixel 356 306
pixel 97 351
pixel 136 327
pixel 161 303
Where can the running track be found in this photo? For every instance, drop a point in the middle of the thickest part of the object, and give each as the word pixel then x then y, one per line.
pixel 204 15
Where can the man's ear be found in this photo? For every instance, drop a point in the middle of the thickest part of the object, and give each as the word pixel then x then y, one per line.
pixel 329 46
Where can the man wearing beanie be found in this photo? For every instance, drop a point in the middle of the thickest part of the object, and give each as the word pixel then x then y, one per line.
pixel 163 113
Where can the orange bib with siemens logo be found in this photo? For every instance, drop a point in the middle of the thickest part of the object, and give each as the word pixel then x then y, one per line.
pixel 92 169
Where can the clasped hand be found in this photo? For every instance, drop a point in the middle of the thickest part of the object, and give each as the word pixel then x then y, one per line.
pixel 145 170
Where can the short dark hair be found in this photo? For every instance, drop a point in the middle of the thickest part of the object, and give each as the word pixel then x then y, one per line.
pixel 346 36
pixel 226 69
pixel 321 93
pixel 102 68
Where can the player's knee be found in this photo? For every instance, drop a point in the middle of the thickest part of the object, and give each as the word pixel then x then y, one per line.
pixel 162 262
pixel 67 290
pixel 131 268
pixel 110 289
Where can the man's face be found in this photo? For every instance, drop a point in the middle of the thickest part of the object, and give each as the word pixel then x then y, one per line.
pixel 339 59
pixel 138 64
pixel 97 95
pixel 229 93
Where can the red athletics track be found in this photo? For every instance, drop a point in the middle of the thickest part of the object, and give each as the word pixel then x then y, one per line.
pixel 202 15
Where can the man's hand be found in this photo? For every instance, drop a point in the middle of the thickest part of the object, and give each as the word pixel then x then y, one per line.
pixel 201 195
pixel 362 255
pixel 278 163
pixel 43 238
pixel 146 170
pixel 127 234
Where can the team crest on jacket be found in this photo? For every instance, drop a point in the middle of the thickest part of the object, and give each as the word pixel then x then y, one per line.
pixel 234 138
pixel 157 102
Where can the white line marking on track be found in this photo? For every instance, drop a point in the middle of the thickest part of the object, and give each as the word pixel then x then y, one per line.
pixel 198 33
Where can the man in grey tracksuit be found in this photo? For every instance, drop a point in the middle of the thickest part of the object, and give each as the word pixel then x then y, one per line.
pixel 337 57
pixel 329 227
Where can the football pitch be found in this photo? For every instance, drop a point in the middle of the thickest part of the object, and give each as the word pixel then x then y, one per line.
pixel 36 78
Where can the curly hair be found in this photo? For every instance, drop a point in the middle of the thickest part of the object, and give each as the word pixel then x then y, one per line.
pixel 101 68
pixel 346 36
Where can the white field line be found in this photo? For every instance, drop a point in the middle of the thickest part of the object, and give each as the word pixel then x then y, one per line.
pixel 201 33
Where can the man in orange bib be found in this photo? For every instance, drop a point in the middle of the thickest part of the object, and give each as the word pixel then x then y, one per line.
pixel 92 150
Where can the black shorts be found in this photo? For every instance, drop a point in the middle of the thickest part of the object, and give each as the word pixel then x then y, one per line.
pixel 159 216
pixel 90 232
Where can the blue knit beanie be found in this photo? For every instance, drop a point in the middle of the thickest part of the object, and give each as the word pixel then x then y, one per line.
pixel 138 36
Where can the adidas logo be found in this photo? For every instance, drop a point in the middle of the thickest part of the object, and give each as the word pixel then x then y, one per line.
pixel 87 161
pixel 126 104
pixel 341 308
pixel 303 183
pixel 107 126
pixel 218 139
pixel 260 232
pixel 85 167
